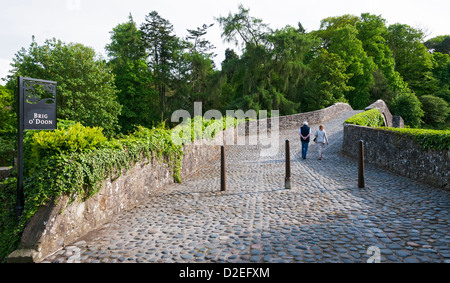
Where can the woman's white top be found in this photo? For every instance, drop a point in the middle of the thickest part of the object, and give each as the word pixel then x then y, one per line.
pixel 321 136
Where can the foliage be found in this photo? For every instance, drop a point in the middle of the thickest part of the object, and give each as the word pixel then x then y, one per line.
pixel 436 110
pixel 340 36
pixel 242 26
pixel 8 121
pixel 9 233
pixel 370 118
pixel 412 59
pixel 75 138
pixel 86 90
pixel 439 44
pixel 409 107
pixel 162 47
pixel 133 78
pixel 428 139
pixel 199 128
pixel 7 146
pixel 441 70
pixel 8 126
pixel 328 81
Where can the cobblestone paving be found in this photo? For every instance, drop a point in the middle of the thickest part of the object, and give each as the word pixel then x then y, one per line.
pixel 323 218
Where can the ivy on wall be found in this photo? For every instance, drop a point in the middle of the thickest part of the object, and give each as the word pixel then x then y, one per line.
pixel 75 160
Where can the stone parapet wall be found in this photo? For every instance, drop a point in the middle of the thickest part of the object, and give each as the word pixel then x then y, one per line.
pixel 389 119
pixel 399 154
pixel 55 226
pixel 297 120
pixel 315 117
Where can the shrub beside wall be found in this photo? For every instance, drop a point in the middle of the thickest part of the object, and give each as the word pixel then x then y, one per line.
pixel 370 118
pixel 428 139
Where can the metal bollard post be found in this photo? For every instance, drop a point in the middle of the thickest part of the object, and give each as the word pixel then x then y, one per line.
pixel 361 165
pixel 223 186
pixel 287 180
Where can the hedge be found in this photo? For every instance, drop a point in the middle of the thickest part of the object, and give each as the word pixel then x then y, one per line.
pixel 371 118
pixel 428 139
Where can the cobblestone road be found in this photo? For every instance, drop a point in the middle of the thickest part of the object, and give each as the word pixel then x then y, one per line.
pixel 323 218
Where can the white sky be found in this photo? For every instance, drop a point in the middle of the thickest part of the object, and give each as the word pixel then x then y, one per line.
pixel 90 21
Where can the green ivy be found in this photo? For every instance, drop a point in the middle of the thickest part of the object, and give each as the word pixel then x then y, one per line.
pixel 9 231
pixel 428 139
pixel 370 118
pixel 75 161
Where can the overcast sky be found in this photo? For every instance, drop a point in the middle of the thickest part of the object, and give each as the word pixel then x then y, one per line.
pixel 90 21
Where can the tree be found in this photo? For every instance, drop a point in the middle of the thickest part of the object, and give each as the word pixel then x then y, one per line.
pixel 132 77
pixel 340 37
pixel 439 44
pixel 199 59
pixel 441 70
pixel 242 26
pixel 372 31
pixel 86 91
pixel 161 45
pixel 327 81
pixel 8 126
pixel 289 50
pixel 409 107
pixel 436 110
pixel 412 59
pixel 8 119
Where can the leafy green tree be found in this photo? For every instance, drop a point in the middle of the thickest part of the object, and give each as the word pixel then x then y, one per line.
pixel 8 126
pixel 441 70
pixel 161 46
pixel 242 26
pixel 372 31
pixel 340 37
pixel 290 50
pixel 439 44
pixel 436 110
pixel 327 81
pixel 200 64
pixel 409 107
pixel 381 88
pixel 8 119
pixel 132 77
pixel 86 90
pixel 412 59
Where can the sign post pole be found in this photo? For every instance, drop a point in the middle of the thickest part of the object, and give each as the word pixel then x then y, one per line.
pixel 36 110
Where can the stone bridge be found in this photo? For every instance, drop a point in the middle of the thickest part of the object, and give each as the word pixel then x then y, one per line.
pixel 325 217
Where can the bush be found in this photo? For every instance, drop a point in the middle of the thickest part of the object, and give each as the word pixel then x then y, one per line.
pixel 371 118
pixel 68 137
pixel 436 110
pixel 428 139
pixel 7 147
pixel 409 107
pixel 9 233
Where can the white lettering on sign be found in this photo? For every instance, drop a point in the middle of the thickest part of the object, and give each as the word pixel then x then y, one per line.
pixel 40 119
pixel 40 116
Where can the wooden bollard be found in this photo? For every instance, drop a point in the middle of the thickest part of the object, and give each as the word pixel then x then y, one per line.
pixel 287 180
pixel 361 165
pixel 223 185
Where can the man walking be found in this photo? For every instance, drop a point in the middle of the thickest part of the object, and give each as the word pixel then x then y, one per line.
pixel 305 134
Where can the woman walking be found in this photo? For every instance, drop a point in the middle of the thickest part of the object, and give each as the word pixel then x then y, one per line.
pixel 321 139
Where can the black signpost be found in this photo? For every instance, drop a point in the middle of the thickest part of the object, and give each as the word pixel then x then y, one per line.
pixel 36 111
